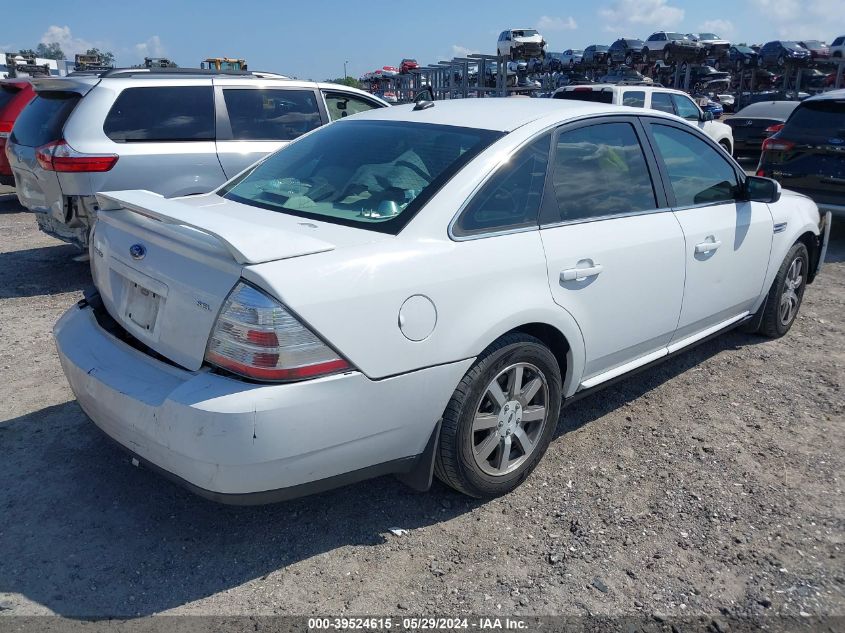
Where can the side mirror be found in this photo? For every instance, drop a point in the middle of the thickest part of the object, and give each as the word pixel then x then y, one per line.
pixel 706 115
pixel 757 189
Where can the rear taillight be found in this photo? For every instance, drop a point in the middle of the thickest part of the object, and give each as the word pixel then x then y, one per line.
pixel 256 337
pixel 59 156
pixel 774 129
pixel 777 145
pixel 761 173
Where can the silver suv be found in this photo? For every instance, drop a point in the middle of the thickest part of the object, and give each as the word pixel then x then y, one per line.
pixel 173 132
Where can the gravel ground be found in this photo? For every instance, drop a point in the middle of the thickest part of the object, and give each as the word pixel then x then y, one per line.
pixel 709 486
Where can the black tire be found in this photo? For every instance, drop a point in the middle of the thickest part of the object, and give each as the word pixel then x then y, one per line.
pixel 781 61
pixel 455 464
pixel 772 324
pixel 726 146
pixel 629 59
pixel 667 55
pixel 645 53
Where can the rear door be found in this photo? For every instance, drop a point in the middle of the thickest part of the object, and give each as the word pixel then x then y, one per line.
pixel 255 120
pixel 39 124
pixel 727 241
pixel 614 249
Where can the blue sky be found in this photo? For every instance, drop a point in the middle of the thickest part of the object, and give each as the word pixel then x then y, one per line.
pixel 312 39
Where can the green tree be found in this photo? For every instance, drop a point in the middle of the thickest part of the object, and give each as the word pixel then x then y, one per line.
pixel 346 81
pixel 49 51
pixel 106 57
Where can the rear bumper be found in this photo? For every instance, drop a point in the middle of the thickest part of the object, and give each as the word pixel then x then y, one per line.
pixel 244 443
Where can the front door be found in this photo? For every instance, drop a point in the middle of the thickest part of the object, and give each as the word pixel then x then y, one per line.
pixel 728 240
pixel 615 252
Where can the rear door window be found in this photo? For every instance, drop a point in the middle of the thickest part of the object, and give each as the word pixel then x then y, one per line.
pixel 662 101
pixel 42 120
pixel 272 114
pixel 599 171
pixel 162 114
pixel 342 105
pixel 634 98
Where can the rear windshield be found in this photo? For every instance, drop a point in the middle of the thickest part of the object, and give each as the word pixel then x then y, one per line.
pixel 635 43
pixel 773 109
pixel 163 114
pixel 369 174
pixel 594 96
pixel 817 118
pixel 42 120
pixel 6 94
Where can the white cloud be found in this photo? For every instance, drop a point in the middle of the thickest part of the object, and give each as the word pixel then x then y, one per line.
pixel 640 14
pixel 69 44
pixel 794 19
pixel 722 28
pixel 151 48
pixel 548 23
pixel 462 51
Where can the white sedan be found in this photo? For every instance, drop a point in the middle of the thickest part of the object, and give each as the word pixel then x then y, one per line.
pixel 417 289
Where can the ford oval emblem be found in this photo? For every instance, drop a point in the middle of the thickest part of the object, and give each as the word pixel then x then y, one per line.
pixel 138 251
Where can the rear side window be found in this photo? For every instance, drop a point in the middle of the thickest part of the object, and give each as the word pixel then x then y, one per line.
pixel 6 94
pixel 819 118
pixel 162 114
pixel 343 105
pixel 511 198
pixel 272 115
pixel 594 96
pixel 634 98
pixel 662 101
pixel 600 171
pixel 42 120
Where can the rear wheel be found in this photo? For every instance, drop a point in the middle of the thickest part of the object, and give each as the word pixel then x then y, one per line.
pixel 501 418
pixel 786 294
pixel 726 146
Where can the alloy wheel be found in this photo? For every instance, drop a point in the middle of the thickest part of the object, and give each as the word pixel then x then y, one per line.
pixel 789 298
pixel 510 419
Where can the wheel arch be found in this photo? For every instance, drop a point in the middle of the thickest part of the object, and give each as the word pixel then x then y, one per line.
pixel 811 241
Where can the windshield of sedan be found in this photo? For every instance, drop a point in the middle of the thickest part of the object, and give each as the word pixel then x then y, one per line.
pixel 708 36
pixel 368 174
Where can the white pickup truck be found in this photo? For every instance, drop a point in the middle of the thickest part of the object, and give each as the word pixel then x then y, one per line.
pixel 663 99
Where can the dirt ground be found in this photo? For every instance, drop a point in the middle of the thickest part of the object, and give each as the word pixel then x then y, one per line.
pixel 710 486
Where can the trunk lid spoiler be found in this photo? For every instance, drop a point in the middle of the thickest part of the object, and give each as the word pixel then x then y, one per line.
pixel 81 85
pixel 252 236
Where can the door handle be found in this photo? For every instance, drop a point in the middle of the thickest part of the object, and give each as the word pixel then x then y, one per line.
pixel 577 274
pixel 706 247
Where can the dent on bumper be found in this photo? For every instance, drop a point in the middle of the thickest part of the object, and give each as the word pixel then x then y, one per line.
pixel 224 436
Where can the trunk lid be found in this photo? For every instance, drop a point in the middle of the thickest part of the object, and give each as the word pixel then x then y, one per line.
pixel 164 267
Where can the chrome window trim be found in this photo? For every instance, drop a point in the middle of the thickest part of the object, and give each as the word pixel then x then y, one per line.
pixel 600 218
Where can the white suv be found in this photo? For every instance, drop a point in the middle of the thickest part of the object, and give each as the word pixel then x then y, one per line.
pixel 662 99
pixel 521 43
pixel 837 47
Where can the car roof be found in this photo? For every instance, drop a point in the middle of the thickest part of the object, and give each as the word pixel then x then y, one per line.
pixel 828 96
pixel 501 114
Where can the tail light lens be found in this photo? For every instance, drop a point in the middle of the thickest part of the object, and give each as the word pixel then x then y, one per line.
pixel 59 156
pixel 256 337
pixel 777 145
pixel 774 129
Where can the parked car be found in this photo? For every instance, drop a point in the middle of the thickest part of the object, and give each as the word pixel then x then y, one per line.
pixel 595 55
pixel 837 47
pixel 521 43
pixel 408 65
pixel 571 57
pixel 713 44
pixel 656 98
pixel 552 63
pixel 226 341
pixel 15 94
pixel 819 51
pixel 806 154
pixel 707 78
pixel 756 122
pixel 572 77
pixel 628 51
pixel 710 105
pixel 779 52
pixel 670 46
pixel 740 56
pixel 165 130
pixel 624 75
